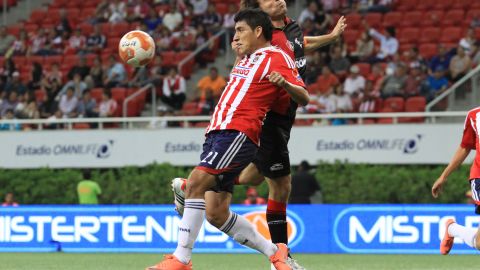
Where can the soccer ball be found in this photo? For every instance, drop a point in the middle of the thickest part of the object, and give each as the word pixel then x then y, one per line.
pixel 136 48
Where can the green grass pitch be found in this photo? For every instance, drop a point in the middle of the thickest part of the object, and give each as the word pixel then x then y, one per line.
pixel 100 261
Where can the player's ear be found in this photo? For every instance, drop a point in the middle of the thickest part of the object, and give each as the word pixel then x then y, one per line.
pixel 258 31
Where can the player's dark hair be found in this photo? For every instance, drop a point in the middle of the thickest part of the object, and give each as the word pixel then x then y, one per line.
pixel 256 18
pixel 249 4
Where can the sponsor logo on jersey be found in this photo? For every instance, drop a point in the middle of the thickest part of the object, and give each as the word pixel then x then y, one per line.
pixel 240 71
pixel 290 45
pixel 300 62
pixel 299 43
pixel 277 166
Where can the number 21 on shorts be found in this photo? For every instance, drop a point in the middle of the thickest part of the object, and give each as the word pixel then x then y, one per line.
pixel 212 159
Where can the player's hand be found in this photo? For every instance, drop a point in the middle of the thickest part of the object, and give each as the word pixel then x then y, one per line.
pixel 277 79
pixel 340 27
pixel 235 47
pixel 437 187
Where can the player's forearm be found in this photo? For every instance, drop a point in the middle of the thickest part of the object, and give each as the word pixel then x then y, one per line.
pixel 460 156
pixel 297 93
pixel 313 43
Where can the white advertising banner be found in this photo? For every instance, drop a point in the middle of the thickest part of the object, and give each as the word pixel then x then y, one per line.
pixel 381 144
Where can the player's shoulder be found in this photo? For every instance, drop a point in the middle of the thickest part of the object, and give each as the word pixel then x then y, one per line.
pixel 473 112
pixel 276 52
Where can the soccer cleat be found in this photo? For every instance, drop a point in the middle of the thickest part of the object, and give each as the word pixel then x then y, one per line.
pixel 279 259
pixel 292 263
pixel 170 262
pixel 178 188
pixel 447 241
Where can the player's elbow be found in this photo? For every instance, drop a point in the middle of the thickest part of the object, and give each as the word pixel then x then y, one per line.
pixel 304 100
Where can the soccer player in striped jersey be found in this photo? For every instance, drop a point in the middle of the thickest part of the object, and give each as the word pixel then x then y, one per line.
pixel 470 140
pixel 257 81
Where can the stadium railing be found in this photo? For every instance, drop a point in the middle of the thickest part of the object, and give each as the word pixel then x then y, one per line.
pixel 132 97
pixel 469 83
pixel 186 121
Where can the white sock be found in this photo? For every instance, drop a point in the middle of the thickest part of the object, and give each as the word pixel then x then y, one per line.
pixel 242 231
pixel 464 233
pixel 189 227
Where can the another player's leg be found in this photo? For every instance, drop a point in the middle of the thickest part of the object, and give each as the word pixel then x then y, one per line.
pixel 250 176
pixel 241 230
pixel 198 183
pixel 470 236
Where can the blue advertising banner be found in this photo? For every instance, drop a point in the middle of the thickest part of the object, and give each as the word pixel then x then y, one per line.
pixel 388 229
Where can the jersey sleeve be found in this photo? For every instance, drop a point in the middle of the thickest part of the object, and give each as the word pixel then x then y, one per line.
pixel 283 64
pixel 469 135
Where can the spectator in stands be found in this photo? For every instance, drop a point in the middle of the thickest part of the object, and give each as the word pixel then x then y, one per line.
pixel 414 59
pixel 157 72
pixel 164 39
pixel 10 115
pixel 460 64
pixel 304 185
pixel 87 105
pixel 6 40
pixel 476 55
pixel 95 77
pixel 9 103
pixel 140 76
pixel 63 25
pixel 81 68
pixel 199 6
pixel 315 64
pixel 338 63
pixel 173 19
pixel 115 74
pixel 56 116
pixel 437 83
pixel 330 5
pixel 309 29
pixel 77 84
pixel 343 101
pixel 207 106
pixel 212 82
pixel 9 200
pixel 468 42
pixel 15 84
pixel 415 80
pixel 68 103
pixel 152 21
pixel 96 41
pixel 108 105
pixel 118 11
pixel 228 17
pixel 174 89
pixel 475 20
pixel 139 11
pixel 253 198
pixel 38 41
pixel 20 46
pixel 393 85
pixel 322 20
pixel 6 72
pixel 102 12
pixel 325 103
pixel 77 42
pixel 355 82
pixel 201 37
pixel 368 100
pixel 327 81
pixel 376 77
pixel 441 60
pixel 308 13
pixel 55 74
pixel 211 20
pixel 388 43
pixel 49 105
pixel 364 48
pixel 36 76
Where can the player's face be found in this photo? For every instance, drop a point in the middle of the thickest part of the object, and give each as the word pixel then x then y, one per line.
pixel 245 38
pixel 274 8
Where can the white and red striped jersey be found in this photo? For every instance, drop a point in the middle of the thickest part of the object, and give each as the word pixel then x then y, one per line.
pixel 470 139
pixel 249 94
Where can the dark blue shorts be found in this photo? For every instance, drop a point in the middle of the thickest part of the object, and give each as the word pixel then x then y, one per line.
pixel 225 154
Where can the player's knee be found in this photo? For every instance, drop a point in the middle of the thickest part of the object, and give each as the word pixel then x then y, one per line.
pixel 476 244
pixel 280 188
pixel 198 183
pixel 217 218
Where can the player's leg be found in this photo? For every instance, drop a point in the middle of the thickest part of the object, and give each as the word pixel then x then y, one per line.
pixel 241 230
pixel 250 176
pixel 278 192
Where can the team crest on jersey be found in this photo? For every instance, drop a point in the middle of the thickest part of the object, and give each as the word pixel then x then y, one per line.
pixel 255 59
pixel 290 45
pixel 296 75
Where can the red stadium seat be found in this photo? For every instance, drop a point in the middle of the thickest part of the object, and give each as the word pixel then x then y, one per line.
pixel 96 94
pixel 40 95
pixel 354 20
pixel 313 88
pixel 350 36
pixel 407 5
pixel 392 19
pixel 412 18
pixel 408 35
pixel 50 60
pixel 414 104
pixel 461 4
pixel 425 5
pixel 119 93
pixel 432 18
pixel 38 15
pixel 222 8
pixel 443 4
pixel 451 34
pixel 453 17
pixel 471 14
pixel 374 19
pixel 81 126
pixel 396 104
pixel 430 35
pixel 168 57
pixel 427 50
pixel 364 69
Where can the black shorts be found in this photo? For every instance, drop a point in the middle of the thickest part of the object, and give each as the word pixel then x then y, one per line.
pixel 273 158
pixel 225 154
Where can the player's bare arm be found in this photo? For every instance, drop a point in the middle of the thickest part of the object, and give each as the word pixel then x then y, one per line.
pixel 313 43
pixel 460 155
pixel 298 93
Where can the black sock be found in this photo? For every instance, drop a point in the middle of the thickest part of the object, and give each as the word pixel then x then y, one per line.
pixel 277 224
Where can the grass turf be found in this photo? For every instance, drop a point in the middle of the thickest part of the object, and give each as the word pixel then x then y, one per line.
pixel 61 261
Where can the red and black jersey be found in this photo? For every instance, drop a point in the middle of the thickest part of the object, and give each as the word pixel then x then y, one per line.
pixel 290 40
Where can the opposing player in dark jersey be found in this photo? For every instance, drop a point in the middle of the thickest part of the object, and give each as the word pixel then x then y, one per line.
pixel 272 160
